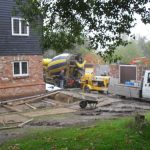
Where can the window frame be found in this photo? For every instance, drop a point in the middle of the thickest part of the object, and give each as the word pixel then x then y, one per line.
pixel 20 27
pixel 20 68
pixel 148 78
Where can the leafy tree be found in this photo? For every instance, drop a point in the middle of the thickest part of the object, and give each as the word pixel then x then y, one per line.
pixel 148 47
pixel 66 22
pixel 129 52
pixel 143 44
pixel 111 58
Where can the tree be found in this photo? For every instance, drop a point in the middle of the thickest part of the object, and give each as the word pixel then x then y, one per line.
pixel 143 44
pixel 129 52
pixel 66 22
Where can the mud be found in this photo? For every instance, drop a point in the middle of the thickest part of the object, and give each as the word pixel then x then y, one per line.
pixel 68 113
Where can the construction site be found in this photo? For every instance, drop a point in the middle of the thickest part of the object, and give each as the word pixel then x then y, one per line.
pixel 74 75
pixel 89 94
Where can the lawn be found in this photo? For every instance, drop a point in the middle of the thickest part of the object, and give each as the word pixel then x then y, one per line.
pixel 119 134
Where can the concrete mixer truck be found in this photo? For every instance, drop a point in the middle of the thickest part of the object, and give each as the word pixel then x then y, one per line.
pixel 72 64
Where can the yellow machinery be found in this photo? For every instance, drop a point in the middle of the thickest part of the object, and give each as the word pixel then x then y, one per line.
pixel 91 82
pixel 45 63
pixel 72 64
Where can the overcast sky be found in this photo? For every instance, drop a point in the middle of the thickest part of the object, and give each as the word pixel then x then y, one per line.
pixel 141 29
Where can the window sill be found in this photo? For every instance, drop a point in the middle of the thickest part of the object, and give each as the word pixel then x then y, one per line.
pixel 20 34
pixel 20 77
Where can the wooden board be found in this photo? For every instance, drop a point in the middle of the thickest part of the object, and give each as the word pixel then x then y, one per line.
pixel 12 118
pixel 34 99
pixel 48 112
pixel 12 108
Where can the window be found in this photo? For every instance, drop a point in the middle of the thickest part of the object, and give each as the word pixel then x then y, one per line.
pixel 19 27
pixel 20 68
pixel 148 78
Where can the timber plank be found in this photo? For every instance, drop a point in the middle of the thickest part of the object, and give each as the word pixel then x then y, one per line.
pixel 12 108
pixel 34 99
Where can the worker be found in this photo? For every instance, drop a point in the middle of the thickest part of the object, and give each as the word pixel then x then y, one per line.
pixel 62 78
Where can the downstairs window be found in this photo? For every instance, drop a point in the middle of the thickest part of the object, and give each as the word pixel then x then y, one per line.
pixel 20 68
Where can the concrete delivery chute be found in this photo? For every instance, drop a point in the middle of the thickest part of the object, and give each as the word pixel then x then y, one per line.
pixel 133 89
pixel 72 64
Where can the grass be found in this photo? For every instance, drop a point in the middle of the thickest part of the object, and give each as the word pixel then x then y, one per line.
pixel 119 134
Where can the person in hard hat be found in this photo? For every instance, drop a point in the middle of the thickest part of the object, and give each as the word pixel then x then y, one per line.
pixel 62 78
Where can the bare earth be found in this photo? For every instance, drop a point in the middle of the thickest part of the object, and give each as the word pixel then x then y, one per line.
pixel 57 113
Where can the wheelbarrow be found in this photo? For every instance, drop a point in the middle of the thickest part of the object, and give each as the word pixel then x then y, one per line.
pixel 84 102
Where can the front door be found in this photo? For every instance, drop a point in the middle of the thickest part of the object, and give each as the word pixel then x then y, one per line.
pixel 146 85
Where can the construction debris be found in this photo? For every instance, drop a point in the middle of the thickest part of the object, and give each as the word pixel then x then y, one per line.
pixel 53 104
pixel 10 127
pixel 16 126
pixel 16 113
pixel 30 106
pixel 12 108
pixel 35 99
pixel 22 124
pixel 44 112
pixel 12 104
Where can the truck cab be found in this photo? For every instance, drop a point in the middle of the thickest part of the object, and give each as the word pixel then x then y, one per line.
pixel 146 85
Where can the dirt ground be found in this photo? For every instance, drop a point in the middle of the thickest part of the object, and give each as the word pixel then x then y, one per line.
pixel 64 114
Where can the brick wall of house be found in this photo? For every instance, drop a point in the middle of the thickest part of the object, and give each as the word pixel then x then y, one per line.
pixel 11 87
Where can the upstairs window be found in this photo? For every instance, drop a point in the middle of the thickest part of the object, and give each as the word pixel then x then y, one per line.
pixel 19 27
pixel 20 68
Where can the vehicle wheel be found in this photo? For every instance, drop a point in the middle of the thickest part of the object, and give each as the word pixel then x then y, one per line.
pixel 83 104
pixel 86 89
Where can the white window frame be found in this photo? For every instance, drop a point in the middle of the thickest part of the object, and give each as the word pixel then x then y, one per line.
pixel 20 68
pixel 20 25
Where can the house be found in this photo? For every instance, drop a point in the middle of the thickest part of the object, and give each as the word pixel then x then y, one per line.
pixel 21 72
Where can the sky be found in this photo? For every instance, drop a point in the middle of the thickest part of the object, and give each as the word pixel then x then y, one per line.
pixel 141 29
